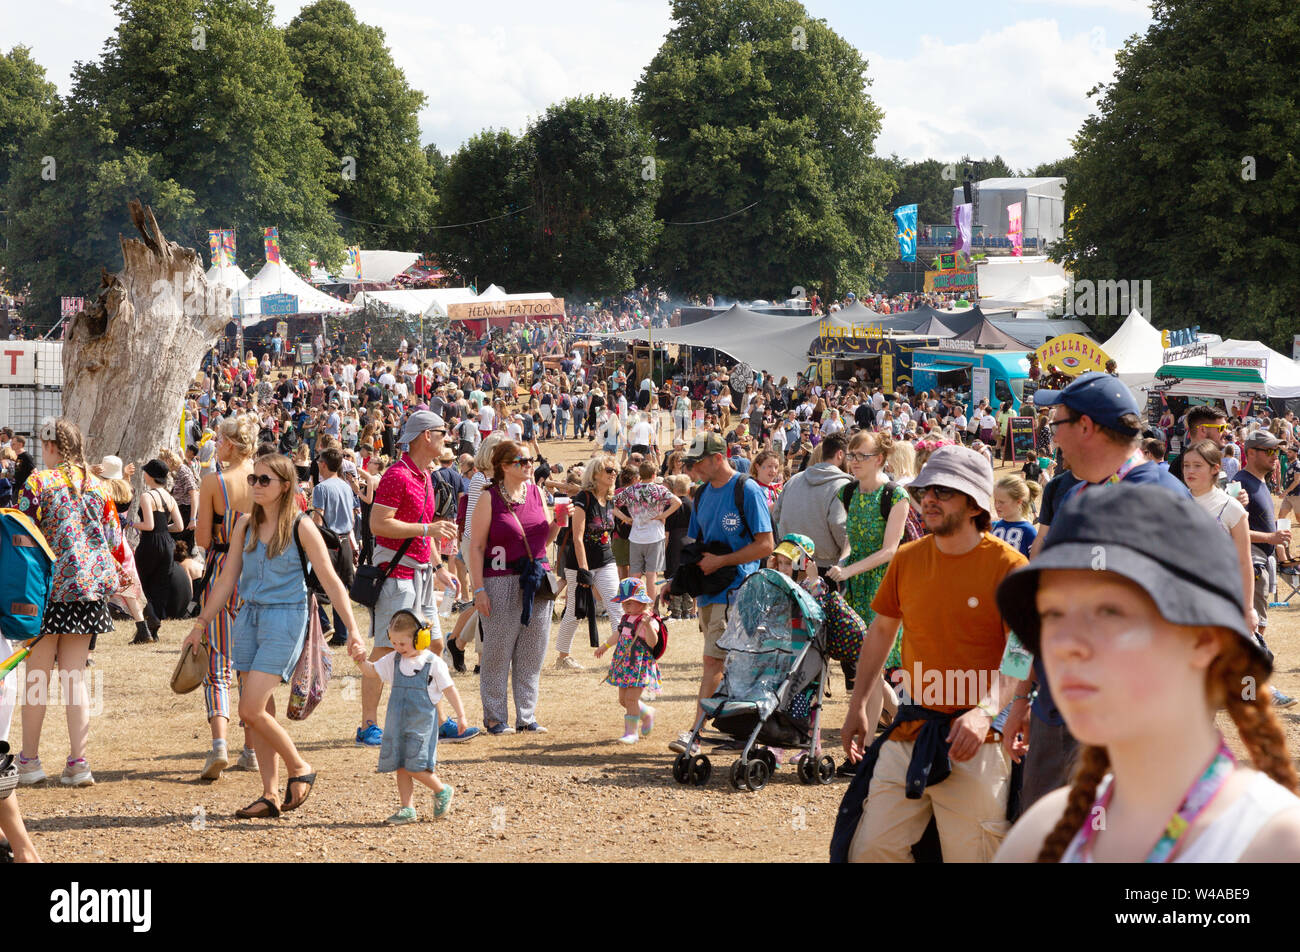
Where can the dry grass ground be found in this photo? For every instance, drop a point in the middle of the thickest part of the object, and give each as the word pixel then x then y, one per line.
pixel 571 794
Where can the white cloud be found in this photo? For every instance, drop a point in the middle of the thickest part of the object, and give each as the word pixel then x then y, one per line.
pixel 1019 91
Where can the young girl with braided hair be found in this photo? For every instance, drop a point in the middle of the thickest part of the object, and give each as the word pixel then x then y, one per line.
pixel 1136 607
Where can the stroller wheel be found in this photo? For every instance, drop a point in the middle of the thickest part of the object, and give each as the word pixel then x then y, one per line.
pixel 826 769
pixel 767 755
pixel 738 775
pixel 807 769
pixel 757 774
pixel 700 769
pixel 682 768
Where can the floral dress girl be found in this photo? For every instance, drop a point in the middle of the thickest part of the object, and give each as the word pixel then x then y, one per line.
pixel 632 665
pixel 866 531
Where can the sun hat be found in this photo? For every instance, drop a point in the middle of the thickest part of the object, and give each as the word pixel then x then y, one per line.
pixel 156 469
pixel 110 467
pixel 417 423
pixel 1165 543
pixel 632 589
pixel 960 468
pixel 794 545
pixel 1097 395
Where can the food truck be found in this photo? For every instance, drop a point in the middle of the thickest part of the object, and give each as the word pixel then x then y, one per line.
pixel 978 373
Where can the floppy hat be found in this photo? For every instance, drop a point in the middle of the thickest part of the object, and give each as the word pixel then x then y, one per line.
pixel 960 468
pixel 110 467
pixel 1097 395
pixel 417 423
pixel 632 589
pixel 1163 542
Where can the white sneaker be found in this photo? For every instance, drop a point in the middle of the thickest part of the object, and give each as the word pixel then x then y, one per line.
pixel 30 771
pixel 218 760
pixel 77 774
pixel 247 760
pixel 568 664
pixel 678 746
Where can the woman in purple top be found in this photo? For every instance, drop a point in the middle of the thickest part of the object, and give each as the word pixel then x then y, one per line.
pixel 504 537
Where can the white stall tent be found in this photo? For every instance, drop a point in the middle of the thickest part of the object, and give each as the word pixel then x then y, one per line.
pixel 276 277
pixel 1136 348
pixel 231 276
pixel 1281 373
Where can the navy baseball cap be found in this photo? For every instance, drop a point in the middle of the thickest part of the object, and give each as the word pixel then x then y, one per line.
pixel 1162 541
pixel 1098 396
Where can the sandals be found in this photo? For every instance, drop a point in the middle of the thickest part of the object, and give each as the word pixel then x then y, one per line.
pixel 290 804
pixel 270 813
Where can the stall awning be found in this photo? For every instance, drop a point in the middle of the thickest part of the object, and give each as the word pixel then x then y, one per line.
pixel 1224 383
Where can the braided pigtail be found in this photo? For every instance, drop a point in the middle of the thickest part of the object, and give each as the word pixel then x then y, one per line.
pixel 67 437
pixel 1238 676
pixel 1093 763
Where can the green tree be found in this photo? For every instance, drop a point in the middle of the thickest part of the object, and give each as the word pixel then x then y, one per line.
pixel 1187 174
pixel 484 208
pixel 369 117
pixel 764 132
pixel 67 204
pixel 595 186
pixel 1061 168
pixel 928 184
pixel 27 101
pixel 207 88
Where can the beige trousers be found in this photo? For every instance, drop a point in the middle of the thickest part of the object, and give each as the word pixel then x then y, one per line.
pixel 970 807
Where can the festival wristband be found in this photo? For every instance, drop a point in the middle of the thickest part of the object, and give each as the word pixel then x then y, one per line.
pixel 477 590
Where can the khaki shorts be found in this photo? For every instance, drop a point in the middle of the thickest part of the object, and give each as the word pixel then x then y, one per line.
pixel 713 622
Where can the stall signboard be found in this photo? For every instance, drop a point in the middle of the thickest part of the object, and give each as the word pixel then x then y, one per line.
pixel 503 311
pixel 979 385
pixel 1175 354
pixel 1022 438
pixel 827 370
pixel 1256 363
pixel 306 353
pixel 887 373
pixel 279 304
pixel 1184 337
pixel 940 281
pixel 948 261
pixel 1072 354
pixel 963 345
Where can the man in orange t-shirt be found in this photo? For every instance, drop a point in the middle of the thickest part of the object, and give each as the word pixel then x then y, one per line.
pixel 941 589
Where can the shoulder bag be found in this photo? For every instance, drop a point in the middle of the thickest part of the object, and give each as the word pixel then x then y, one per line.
pixel 370 578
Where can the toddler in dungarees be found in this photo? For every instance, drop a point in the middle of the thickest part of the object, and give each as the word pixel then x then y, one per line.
pixel 419 680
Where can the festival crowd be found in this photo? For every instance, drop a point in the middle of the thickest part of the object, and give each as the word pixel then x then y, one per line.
pixel 1132 560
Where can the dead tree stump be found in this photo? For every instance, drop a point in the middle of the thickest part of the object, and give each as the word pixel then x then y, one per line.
pixel 130 356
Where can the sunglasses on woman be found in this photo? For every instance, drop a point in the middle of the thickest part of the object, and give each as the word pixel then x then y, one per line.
pixel 522 461
pixel 263 480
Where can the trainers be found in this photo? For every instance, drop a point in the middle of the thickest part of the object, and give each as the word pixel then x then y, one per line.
pixel 448 729
pixel 1281 700
pixel 679 746
pixel 533 728
pixel 402 817
pixel 498 729
pixel 218 760
pixel 77 774
pixel 370 735
pixel 469 733
pixel 30 771
pixel 442 802
pixel 566 663
pixel 247 759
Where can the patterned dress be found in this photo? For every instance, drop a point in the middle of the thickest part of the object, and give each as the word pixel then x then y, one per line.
pixel 866 535
pixel 632 665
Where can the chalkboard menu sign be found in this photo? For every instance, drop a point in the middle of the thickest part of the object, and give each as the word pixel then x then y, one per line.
pixel 1022 438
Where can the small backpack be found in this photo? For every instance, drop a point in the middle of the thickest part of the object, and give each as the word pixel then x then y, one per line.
pixel 661 645
pixel 26 569
pixel 913 528
pixel 333 544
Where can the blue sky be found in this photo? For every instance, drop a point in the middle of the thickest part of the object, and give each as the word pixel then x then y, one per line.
pixel 1006 76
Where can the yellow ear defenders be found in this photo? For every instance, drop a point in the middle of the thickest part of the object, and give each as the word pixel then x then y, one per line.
pixel 423 636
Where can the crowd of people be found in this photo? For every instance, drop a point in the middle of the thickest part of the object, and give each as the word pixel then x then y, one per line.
pixel 440 474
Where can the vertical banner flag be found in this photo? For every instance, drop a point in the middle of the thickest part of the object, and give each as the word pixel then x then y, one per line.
pixel 354 260
pixel 961 243
pixel 1016 228
pixel 221 244
pixel 271 241
pixel 905 219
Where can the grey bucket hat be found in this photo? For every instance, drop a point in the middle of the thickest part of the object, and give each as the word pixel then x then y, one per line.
pixel 960 468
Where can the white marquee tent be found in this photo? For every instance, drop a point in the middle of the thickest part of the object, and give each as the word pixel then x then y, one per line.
pixel 231 276
pixel 276 277
pixel 1281 373
pixel 1136 348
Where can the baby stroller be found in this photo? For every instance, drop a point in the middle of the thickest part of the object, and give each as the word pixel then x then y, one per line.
pixel 772 686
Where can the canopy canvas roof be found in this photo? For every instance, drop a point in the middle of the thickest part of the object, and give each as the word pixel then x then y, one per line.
pixel 231 276
pixel 276 277
pixel 1280 373
pixel 1137 350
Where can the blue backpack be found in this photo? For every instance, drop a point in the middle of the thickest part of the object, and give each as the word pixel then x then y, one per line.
pixel 26 567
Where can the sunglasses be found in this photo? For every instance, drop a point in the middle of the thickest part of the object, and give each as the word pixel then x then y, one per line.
pixel 1214 426
pixel 263 480
pixel 941 493
pixel 610 470
pixel 522 461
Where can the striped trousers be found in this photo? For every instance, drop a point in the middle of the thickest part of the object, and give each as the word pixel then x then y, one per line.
pixel 511 651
